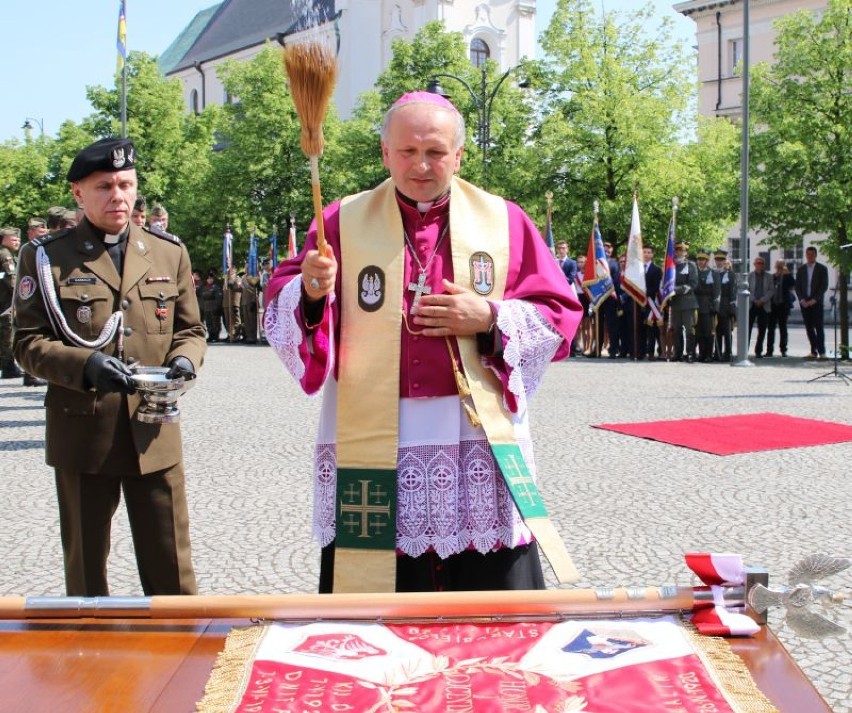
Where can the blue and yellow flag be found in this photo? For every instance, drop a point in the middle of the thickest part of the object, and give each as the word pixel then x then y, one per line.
pixel 121 38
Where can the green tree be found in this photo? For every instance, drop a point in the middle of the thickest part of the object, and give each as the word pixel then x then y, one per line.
pixel 616 115
pixel 802 145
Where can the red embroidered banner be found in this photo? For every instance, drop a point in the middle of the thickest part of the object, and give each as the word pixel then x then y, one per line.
pixel 605 666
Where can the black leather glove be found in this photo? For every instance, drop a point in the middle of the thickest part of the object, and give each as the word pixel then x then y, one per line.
pixel 108 374
pixel 180 366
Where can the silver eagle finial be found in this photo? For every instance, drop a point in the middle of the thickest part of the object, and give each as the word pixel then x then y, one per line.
pixel 800 594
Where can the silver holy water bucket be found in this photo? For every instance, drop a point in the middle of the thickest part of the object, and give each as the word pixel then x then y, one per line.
pixel 159 393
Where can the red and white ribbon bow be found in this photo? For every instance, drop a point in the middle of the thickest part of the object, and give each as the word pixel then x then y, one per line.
pixel 719 571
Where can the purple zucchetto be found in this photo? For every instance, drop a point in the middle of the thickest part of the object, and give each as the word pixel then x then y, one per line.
pixel 424 98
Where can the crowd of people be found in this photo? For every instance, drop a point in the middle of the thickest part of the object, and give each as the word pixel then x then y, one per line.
pixel 697 321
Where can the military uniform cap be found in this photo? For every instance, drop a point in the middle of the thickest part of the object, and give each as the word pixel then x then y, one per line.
pixel 720 254
pixel 108 155
pixel 57 210
pixel 6 232
pixel 702 254
pixel 69 214
pixel 682 244
pixel 36 222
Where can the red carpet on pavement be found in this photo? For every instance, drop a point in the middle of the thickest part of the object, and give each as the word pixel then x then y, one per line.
pixel 727 435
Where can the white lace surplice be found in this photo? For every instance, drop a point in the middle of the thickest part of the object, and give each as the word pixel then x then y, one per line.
pixel 450 495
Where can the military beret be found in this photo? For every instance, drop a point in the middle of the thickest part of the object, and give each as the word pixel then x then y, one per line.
pixel 6 232
pixel 682 244
pixel 36 222
pixel 105 155
pixel 57 210
pixel 720 254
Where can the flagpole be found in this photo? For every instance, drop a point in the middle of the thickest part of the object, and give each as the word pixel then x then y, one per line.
pixel 122 30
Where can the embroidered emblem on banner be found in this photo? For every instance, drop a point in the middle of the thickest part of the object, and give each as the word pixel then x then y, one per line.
pixel 604 644
pixel 371 288
pixel 84 314
pixel 26 288
pixel 343 647
pixel 366 511
pixel 482 273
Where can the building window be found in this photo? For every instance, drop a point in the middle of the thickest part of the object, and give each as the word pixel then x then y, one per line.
pixel 794 257
pixel 736 55
pixel 193 101
pixel 479 52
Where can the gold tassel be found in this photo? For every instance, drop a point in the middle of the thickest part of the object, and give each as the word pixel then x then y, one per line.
pixel 472 417
pixel 461 382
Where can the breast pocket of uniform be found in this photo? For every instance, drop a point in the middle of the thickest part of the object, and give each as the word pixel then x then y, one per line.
pixel 86 308
pixel 158 304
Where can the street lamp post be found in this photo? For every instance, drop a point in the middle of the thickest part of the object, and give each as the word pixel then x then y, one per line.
pixel 27 125
pixel 743 291
pixel 483 101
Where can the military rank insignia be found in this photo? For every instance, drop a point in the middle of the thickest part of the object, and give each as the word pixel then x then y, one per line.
pixel 162 310
pixel 84 314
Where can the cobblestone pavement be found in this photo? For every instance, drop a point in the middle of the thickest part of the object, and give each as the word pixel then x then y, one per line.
pixel 628 508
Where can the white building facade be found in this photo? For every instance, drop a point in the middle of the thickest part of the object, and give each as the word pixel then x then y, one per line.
pixel 361 30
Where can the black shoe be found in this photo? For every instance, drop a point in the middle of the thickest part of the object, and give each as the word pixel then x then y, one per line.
pixel 690 359
pixel 30 380
pixel 11 372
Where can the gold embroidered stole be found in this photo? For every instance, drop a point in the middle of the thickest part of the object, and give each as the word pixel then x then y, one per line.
pixel 372 247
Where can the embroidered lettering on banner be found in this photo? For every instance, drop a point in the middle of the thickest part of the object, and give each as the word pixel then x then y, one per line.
pixel 482 273
pixel 26 288
pixel 371 288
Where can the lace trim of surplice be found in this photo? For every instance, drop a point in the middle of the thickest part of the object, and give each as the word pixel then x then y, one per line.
pixel 283 331
pixel 449 498
pixel 530 343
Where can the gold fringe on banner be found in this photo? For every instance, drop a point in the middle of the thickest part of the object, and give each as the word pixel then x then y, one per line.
pixel 231 671
pixel 729 672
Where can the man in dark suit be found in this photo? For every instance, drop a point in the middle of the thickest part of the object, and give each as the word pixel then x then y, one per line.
pixel 811 285
pixel 89 302
pixel 569 269
pixel 649 329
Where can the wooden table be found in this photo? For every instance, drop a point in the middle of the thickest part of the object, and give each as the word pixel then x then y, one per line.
pixel 135 665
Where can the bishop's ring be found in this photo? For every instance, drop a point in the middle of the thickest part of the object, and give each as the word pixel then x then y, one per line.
pixel 314 283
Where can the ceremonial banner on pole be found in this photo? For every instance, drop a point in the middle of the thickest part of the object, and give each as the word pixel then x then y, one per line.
pixel 273 246
pixel 597 282
pixel 667 286
pixel 227 251
pixel 251 262
pixel 633 278
pixel 292 250
pixel 642 665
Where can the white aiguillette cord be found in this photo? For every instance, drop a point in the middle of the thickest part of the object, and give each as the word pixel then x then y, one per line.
pixel 57 318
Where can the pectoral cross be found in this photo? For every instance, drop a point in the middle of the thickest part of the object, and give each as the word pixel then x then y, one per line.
pixel 419 289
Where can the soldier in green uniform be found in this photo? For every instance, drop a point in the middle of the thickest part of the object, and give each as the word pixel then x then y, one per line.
pixel 727 304
pixel 248 307
pixel 89 302
pixel 707 294
pixel 10 241
pixel 683 305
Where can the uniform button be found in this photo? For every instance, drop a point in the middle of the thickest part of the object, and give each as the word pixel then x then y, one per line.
pixel 415 338
pixel 416 362
pixel 125 304
pixel 84 297
pixel 162 294
pixel 415 385
pixel 128 331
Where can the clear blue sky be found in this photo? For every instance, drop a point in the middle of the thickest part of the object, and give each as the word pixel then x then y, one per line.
pixel 53 49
